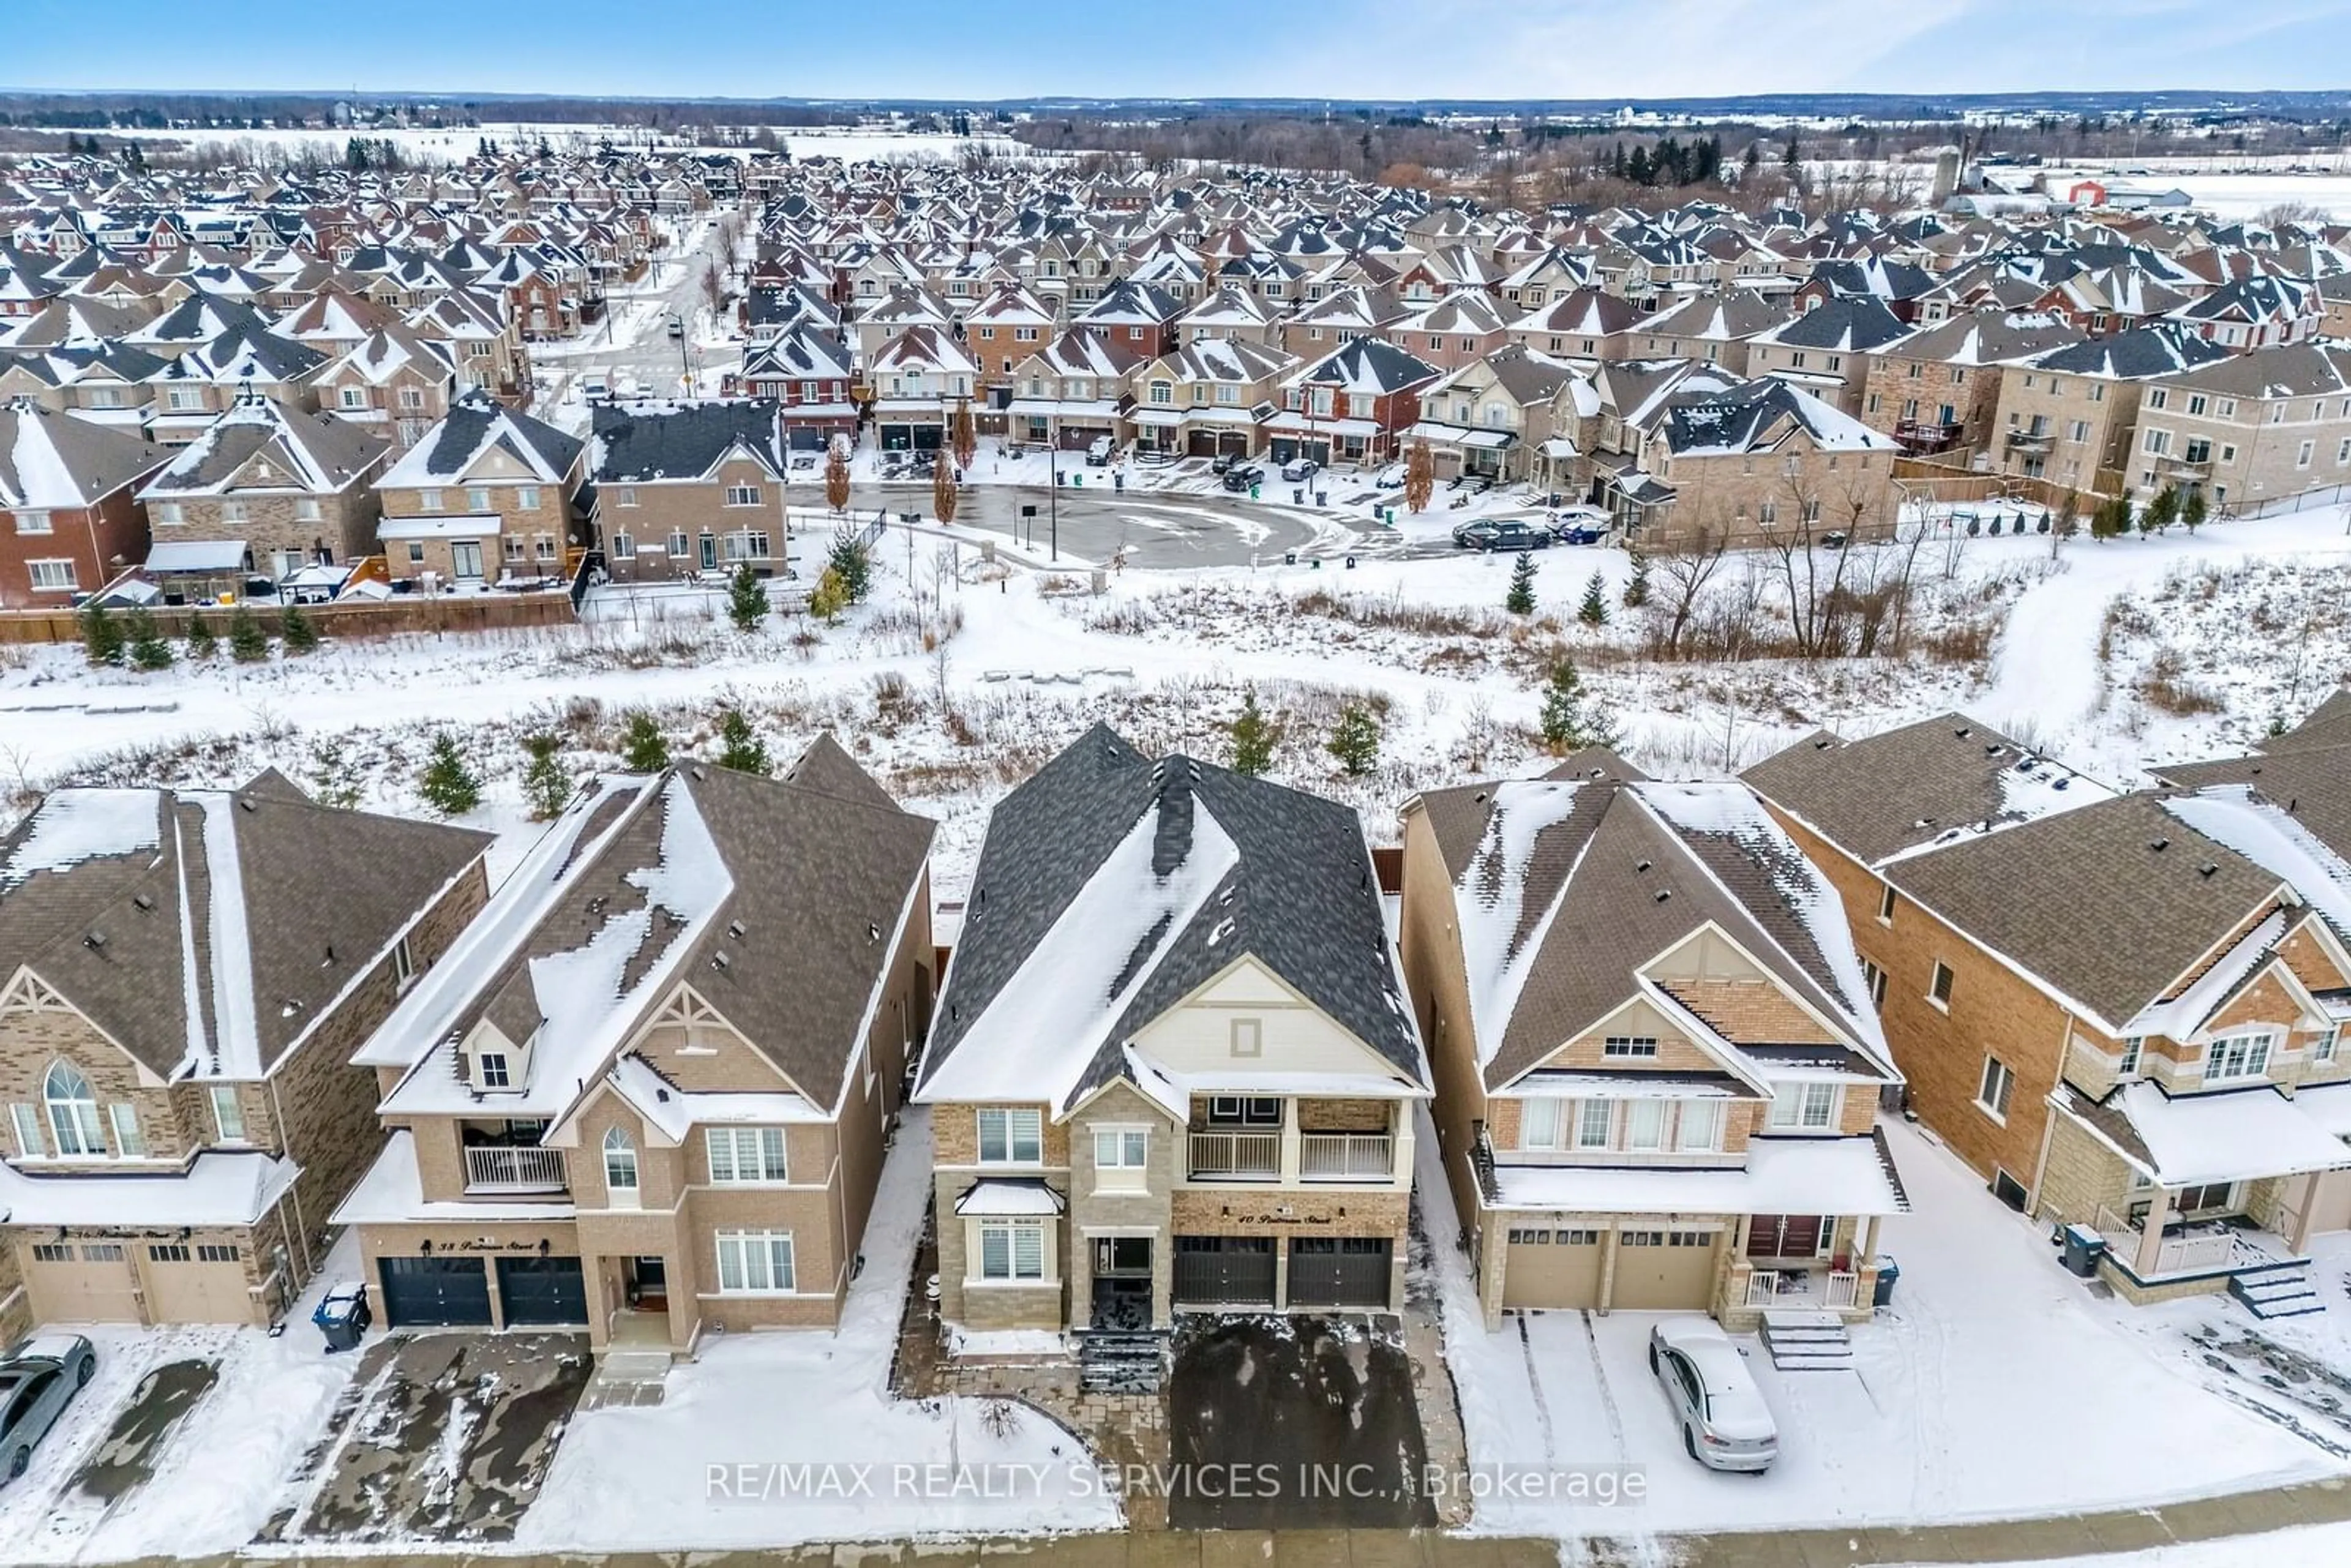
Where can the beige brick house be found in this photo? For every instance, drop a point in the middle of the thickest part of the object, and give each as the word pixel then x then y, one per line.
pixel 284 488
pixel 486 495
pixel 1937 390
pixel 650 1089
pixel 1172 1068
pixel 2248 428
pixel 2067 416
pixel 1657 1073
pixel 183 975
pixel 684 488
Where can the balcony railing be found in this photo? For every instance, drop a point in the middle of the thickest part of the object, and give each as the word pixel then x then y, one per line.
pixel 501 1168
pixel 2195 1249
pixel 1345 1156
pixel 1235 1156
pixel 2030 440
pixel 1837 1290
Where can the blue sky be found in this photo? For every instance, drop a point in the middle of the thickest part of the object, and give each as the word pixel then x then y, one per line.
pixel 1347 48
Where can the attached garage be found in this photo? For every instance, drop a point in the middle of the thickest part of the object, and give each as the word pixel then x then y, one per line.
pixel 542 1290
pixel 189 1284
pixel 1664 1270
pixel 1339 1271
pixel 82 1282
pixel 434 1292
pixel 1224 1270
pixel 1550 1266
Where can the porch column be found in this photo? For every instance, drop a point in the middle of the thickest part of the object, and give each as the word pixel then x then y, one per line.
pixel 1290 1140
pixel 1867 1251
pixel 2150 1236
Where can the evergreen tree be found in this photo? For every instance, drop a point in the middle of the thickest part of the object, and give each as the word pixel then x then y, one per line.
pixel 740 746
pixel 2112 518
pixel 333 777
pixel 2161 512
pixel 643 747
pixel 102 636
pixel 2191 509
pixel 544 783
pixel 1253 738
pixel 746 598
pixel 1794 159
pixel 202 643
pixel 1571 717
pixel 855 567
pixel 448 785
pixel 1355 740
pixel 1594 611
pixel 147 648
pixel 247 643
pixel 828 599
pixel 1637 587
pixel 1520 600
pixel 295 631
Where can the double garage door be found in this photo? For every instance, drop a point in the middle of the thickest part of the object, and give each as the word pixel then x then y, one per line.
pixel 99 1282
pixel 454 1292
pixel 1657 1270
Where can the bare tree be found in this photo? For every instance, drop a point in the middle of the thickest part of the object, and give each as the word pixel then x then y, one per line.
pixel 1682 569
pixel 964 437
pixel 944 493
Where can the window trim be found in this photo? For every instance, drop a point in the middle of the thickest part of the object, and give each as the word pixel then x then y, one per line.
pixel 1995 1070
pixel 746 1145
pixel 743 1242
pixel 1010 1120
pixel 1012 1229
pixel 1941 981
pixel 231 1126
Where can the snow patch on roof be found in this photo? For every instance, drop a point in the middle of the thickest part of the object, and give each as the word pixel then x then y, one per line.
pixel 76 825
pixel 1491 894
pixel 2227 814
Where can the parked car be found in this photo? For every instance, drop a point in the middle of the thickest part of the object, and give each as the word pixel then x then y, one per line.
pixel 1299 469
pixel 1501 533
pixel 1580 525
pixel 1098 454
pixel 1389 479
pixel 1240 480
pixel 1222 462
pixel 676 328
pixel 1725 1424
pixel 38 1381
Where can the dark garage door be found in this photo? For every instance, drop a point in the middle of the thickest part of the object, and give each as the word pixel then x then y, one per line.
pixel 1225 1271
pixel 542 1290
pixel 434 1292
pixel 1339 1271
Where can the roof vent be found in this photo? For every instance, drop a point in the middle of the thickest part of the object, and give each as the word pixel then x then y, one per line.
pixel 94 941
pixel 698 774
pixel 143 900
pixel 1823 744
pixel 245 802
pixel 2206 869
pixel 1642 865
pixel 1964 731
pixel 2159 846
pixel 734 929
pixel 330 958
pixel 596 905
pixel 2061 783
pixel 872 932
pixel 719 960
pixel 662 1096
pixel 1664 894
pixel 1994 751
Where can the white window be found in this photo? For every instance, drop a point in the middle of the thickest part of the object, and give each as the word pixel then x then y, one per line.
pixel 428 500
pixel 1247 1037
pixel 2302 454
pixel 1121 1150
pixel 1644 1124
pixel 2131 1047
pixel 492 1070
pixel 1699 1127
pixel 477 498
pixel 1624 1045
pixel 1811 1106
pixel 2237 1056
pixel 1938 989
pixel 755 1263
pixel 165 512
pixel 620 1161
pixel 1874 979
pixel 747 544
pixel 1994 1088
pixel 403 962
pixel 746 1155
pixel 2159 398
pixel 1592 1124
pixel 623 548
pixel 129 1141
pixel 37 523
pixel 305 509
pixel 228 1116
pixel 353 397
pixel 232 511
pixel 30 1145
pixel 50 576
pixel 73 1114
pixel 742 495
pixel 183 399
pixel 2324 1050
pixel 1012 1137
pixel 1538 1124
pixel 1011 1250
pixel 627 495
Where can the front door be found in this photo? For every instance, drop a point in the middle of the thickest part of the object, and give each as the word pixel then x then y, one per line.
pixel 465 559
pixel 1122 1282
pixel 647 1281
pixel 1786 1237
pixel 710 552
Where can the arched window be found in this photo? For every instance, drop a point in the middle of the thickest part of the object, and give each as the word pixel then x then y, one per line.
pixel 73 1114
pixel 620 1161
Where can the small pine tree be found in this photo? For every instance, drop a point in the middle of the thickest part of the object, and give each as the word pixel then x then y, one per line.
pixel 828 599
pixel 746 598
pixel 101 636
pixel 1571 716
pixel 2112 518
pixel 544 783
pixel 1355 740
pixel 146 645
pixel 1253 737
pixel 333 777
pixel 295 631
pixel 740 746
pixel 247 643
pixel 202 642
pixel 1520 600
pixel 1637 587
pixel 643 747
pixel 2161 512
pixel 447 784
pixel 848 559
pixel 1594 611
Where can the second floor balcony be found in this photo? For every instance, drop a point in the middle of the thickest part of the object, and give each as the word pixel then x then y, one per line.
pixel 512 1168
pixel 1282 1140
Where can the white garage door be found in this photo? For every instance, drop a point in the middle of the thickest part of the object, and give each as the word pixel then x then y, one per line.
pixel 81 1283
pixel 1549 1266
pixel 189 1284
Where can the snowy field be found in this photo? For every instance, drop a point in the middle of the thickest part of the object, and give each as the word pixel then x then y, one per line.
pixel 850 143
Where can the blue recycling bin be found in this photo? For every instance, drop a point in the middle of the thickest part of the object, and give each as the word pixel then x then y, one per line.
pixel 343 1317
pixel 1888 1270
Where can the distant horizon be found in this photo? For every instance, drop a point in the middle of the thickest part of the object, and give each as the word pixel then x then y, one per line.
pixel 1381 51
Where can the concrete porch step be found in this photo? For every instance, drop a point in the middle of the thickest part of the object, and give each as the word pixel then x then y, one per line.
pixel 2278 1291
pixel 1799 1341
pixel 634 1365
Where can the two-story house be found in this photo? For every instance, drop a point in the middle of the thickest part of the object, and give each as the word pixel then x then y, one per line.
pixel 184 976
pixel 1749 463
pixel 1210 396
pixel 2248 428
pixel 804 370
pixel 1073 391
pixel 689 487
pixel 485 497
pixel 1494 416
pixel 266 489
pixel 69 514
pixel 649 1090
pixel 1172 1067
pixel 1657 1073
pixel 2067 415
pixel 918 380
pixel 396 381
pixel 1352 406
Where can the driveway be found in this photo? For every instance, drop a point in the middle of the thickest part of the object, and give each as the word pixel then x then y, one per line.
pixel 126 1457
pixel 447 1438
pixel 1302 1423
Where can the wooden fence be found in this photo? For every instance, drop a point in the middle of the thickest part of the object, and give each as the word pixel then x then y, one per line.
pixel 376 618
pixel 1924 481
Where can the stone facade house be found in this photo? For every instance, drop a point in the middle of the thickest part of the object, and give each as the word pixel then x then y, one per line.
pixel 284 489
pixel 2247 429
pixel 1497 417
pixel 2067 415
pixel 1072 391
pixel 396 382
pixel 1752 462
pixel 1937 390
pixel 485 497
pixel 1172 1068
pixel 184 976
pixel 1210 396
pixel 648 1091
pixel 687 487
pixel 69 514
pixel 1657 1073
pixel 1828 350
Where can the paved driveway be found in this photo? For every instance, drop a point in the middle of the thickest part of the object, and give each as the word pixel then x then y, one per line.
pixel 1301 1423
pixel 126 1457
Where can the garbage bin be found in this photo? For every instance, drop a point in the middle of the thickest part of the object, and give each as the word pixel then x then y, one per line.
pixel 342 1316
pixel 1118 483
pixel 1321 498
pixel 1888 1270
pixel 1297 495
pixel 2083 1248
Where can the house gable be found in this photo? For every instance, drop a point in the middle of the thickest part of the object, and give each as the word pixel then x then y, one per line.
pixel 1197 1034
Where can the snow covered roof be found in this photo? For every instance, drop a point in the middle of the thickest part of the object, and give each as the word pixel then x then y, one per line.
pixel 2238 1135
pixel 55 461
pixel 476 425
pixel 392 1193
pixel 649 442
pixel 2272 838
pixel 219 1186
pixel 262 446
pixel 1009 1196
pixel 1781 1175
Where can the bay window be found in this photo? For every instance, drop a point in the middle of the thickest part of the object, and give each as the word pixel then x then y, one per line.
pixel 1011 1250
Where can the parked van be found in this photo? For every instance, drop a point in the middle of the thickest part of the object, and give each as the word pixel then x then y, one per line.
pixel 1098 455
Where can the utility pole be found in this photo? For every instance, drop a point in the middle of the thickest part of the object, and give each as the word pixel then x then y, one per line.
pixel 1054 491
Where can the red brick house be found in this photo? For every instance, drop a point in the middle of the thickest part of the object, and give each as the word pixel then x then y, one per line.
pixel 69 519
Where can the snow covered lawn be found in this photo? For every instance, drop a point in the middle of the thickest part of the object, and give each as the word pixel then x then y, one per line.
pixel 1995 1387
pixel 767 1439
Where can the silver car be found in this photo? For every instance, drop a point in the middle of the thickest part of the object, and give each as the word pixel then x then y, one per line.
pixel 1725 1424
pixel 38 1381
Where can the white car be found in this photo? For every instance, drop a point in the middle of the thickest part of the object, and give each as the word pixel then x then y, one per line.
pixel 1725 1424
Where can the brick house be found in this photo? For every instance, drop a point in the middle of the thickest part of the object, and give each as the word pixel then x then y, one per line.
pixel 487 494
pixel 805 371
pixel 396 382
pixel 917 379
pixel 1937 390
pixel 1210 396
pixel 69 514
pixel 649 1090
pixel 288 489
pixel 190 390
pixel 1072 391
pixel 1828 350
pixel 2068 415
pixel 1139 316
pixel 1172 1067
pixel 1497 416
pixel 2248 428
pixel 1003 329
pixel 1581 324
pixel 187 975
pixel 689 487
pixel 1657 1071
pixel 1352 406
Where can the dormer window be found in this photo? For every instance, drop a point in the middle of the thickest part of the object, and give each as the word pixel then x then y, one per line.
pixel 490 1070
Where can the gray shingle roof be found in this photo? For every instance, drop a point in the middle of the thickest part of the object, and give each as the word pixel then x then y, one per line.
pixel 646 442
